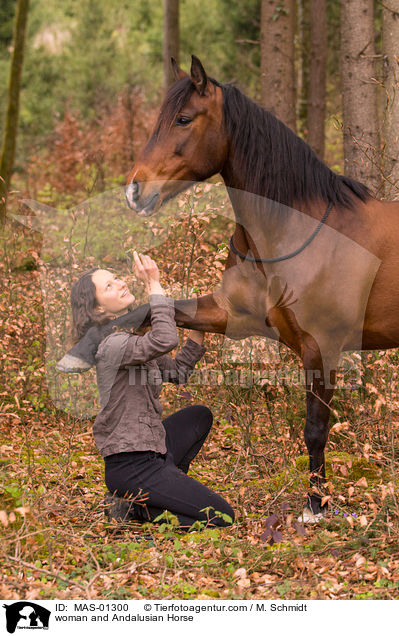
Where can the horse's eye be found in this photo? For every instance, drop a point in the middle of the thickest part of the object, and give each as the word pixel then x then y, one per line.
pixel 183 121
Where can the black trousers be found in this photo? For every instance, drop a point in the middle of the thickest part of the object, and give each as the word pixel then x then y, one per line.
pixel 163 478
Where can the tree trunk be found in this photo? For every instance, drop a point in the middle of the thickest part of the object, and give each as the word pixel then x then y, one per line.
pixel 277 59
pixel 317 80
pixel 11 123
pixel 170 40
pixel 303 67
pixel 390 46
pixel 359 92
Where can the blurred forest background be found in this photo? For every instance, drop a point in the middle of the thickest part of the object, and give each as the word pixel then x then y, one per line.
pixel 93 76
pixel 94 73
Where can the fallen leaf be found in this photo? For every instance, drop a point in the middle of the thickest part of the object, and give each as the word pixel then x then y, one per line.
pixel 241 573
pixel 299 528
pixel 268 580
pixel 340 426
pixel 271 533
pixel 4 518
pixel 186 395
pixel 23 510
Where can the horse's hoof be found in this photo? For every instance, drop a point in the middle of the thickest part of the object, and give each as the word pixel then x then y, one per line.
pixel 71 364
pixel 308 516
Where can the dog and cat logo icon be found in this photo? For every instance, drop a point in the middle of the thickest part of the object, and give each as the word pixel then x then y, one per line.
pixel 26 615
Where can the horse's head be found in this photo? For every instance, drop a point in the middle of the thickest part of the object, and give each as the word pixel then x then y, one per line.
pixel 187 144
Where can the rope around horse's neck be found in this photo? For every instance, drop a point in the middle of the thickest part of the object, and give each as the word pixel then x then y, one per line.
pixel 276 259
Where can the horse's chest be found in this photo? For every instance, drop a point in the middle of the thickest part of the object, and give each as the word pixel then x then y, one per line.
pixel 244 294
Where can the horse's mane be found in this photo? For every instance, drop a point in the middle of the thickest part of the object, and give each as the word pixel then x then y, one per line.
pixel 283 167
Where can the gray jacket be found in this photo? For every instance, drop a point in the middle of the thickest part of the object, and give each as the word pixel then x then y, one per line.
pixel 130 372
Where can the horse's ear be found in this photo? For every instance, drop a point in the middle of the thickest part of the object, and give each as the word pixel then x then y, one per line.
pixel 178 72
pixel 198 75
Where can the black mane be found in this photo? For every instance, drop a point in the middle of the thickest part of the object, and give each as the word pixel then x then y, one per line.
pixel 275 163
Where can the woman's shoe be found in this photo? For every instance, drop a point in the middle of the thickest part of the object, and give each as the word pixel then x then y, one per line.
pixel 121 509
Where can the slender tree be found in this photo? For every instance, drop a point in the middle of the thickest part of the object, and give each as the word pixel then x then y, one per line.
pixel 359 92
pixel 7 14
pixel 303 11
pixel 390 44
pixel 170 40
pixel 277 59
pixel 317 75
pixel 11 123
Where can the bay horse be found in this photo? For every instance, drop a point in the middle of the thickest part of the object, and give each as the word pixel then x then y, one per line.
pixel 205 128
pixel 314 258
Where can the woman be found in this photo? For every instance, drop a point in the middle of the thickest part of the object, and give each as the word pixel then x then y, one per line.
pixel 145 458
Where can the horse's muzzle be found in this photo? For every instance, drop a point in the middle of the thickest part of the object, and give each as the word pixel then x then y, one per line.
pixel 145 206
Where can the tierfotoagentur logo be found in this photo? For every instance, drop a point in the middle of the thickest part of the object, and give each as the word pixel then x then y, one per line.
pixel 26 615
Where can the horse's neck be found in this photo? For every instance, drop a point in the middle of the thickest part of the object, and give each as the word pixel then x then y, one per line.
pixel 262 221
pixel 252 211
pixel 270 228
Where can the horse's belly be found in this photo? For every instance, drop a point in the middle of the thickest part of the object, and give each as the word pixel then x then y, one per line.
pixel 381 320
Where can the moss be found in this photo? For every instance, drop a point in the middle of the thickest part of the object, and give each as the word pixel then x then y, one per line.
pixel 210 593
pixel 360 467
pixel 297 477
pixel 291 478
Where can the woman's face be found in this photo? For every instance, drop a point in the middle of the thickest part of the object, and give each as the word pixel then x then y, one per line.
pixel 113 296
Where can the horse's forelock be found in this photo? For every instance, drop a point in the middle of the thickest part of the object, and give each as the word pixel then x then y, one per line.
pixel 176 98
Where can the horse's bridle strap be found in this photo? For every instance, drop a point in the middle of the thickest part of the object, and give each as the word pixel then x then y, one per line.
pixel 276 259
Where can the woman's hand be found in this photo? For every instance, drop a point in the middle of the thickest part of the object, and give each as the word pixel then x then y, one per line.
pixel 197 336
pixel 147 270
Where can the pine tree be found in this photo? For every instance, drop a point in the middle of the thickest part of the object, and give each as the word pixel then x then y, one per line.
pixel 170 40
pixel 359 92
pixel 303 11
pixel 390 45
pixel 11 124
pixel 317 75
pixel 277 59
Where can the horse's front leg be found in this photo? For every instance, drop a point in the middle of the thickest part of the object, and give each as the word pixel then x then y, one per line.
pixel 320 381
pixel 202 313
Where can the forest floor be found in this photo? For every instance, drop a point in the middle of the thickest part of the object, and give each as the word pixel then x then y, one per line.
pixel 55 540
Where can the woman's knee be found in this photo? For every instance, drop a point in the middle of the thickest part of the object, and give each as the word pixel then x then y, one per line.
pixel 226 515
pixel 203 415
pixel 224 521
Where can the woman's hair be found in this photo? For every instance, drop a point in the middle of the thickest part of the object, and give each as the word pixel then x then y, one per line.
pixel 84 305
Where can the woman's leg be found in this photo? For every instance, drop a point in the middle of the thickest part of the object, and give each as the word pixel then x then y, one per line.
pixel 186 431
pixel 166 487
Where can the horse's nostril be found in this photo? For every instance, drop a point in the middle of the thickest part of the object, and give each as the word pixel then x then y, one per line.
pixel 132 193
pixel 135 190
